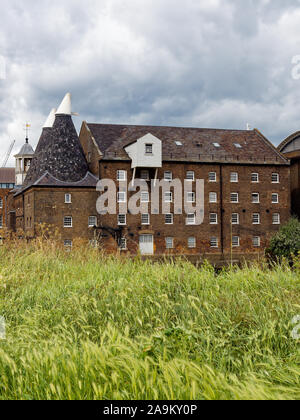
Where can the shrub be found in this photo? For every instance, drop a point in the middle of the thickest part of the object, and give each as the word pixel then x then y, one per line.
pixel 286 243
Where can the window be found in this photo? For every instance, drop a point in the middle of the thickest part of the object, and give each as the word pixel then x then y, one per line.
pixel 145 175
pixel 191 219
pixel 168 176
pixel 169 243
pixel 217 145
pixel 238 145
pixel 178 143
pixel 168 197
pixel 254 177
pixel 234 177
pixel 122 219
pixel 68 222
pixel 234 197
pixel 214 243
pixel 276 219
pixel 235 219
pixel 68 243
pixel 191 197
pixel 149 149
pixel 212 176
pixel 123 244
pixel 121 197
pixel 213 198
pixel 275 178
pixel 256 219
pixel 68 198
pixel 213 218
pixel 144 197
pixel 235 241
pixel 190 176
pixel 145 219
pixel 169 219
pixel 92 221
pixel 256 241
pixel 121 175
pixel 255 198
pixel 1 203
pixel 275 198
pixel 191 242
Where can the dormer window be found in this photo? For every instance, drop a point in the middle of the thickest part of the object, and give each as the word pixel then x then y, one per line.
pixel 217 145
pixel 149 149
pixel 178 143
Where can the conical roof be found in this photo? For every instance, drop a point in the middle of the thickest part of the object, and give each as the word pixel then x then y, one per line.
pixel 59 153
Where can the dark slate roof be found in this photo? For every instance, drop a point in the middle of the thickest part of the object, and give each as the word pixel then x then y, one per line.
pixel 47 180
pixel 197 143
pixel 7 175
pixel 26 150
pixel 59 154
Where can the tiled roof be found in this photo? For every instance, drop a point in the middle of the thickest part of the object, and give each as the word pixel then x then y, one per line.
pixel 7 175
pixel 59 153
pixel 198 144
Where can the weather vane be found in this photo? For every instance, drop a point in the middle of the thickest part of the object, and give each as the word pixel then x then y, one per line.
pixel 26 129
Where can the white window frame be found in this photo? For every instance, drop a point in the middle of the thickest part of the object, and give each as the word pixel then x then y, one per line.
pixel 256 241
pixel 277 222
pixel 237 243
pixel 171 217
pixel 1 221
pixel 190 176
pixel 123 244
pixel 212 177
pixel 191 219
pixel 94 224
pixel 168 198
pixel 123 173
pixel 277 198
pixel 213 218
pixel 256 218
pixel 256 174
pixel 277 178
pixel 68 195
pixel 148 149
pixel 236 195
pixel 68 243
pixel 119 220
pixel 214 242
pixel 145 197
pixel 143 221
pixel 257 199
pixel 68 225
pixel 192 242
pixel 191 197
pixel 168 176
pixel 120 195
pixel 213 194
pixel 237 218
pixel 169 242
pixel 234 177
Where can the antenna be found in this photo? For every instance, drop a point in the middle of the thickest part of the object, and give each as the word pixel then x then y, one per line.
pixel 248 127
pixel 8 154
pixel 27 128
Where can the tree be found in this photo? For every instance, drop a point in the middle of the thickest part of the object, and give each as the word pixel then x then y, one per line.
pixel 286 243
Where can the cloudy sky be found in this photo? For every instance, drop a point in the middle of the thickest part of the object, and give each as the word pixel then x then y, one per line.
pixel 199 63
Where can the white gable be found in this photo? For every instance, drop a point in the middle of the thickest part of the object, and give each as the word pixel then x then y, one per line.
pixel 139 152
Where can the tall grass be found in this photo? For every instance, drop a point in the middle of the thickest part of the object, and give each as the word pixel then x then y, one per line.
pixel 84 326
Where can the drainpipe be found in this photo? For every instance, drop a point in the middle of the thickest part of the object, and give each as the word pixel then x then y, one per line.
pixel 221 205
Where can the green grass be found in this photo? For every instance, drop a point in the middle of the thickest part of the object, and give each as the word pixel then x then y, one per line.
pixel 80 326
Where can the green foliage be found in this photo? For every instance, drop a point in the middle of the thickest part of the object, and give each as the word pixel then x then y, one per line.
pixel 286 243
pixel 82 326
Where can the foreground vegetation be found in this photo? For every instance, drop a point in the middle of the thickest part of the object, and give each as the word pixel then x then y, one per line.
pixel 80 326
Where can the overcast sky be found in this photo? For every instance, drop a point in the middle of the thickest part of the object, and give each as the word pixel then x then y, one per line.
pixel 199 63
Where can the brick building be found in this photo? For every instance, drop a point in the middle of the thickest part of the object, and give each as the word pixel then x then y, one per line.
pixel 7 183
pixel 290 148
pixel 246 188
